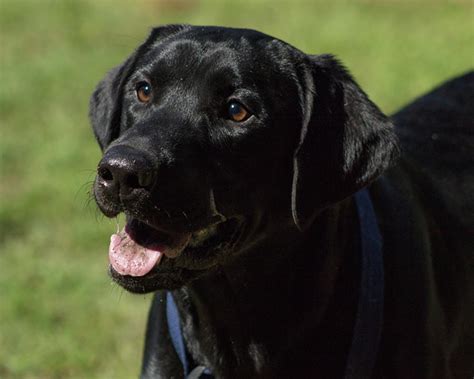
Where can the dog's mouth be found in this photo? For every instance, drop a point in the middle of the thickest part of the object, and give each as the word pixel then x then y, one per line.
pixel 141 250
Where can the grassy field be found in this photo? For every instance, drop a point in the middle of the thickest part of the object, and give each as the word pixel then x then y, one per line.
pixel 60 316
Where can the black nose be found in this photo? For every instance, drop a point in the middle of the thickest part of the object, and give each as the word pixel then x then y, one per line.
pixel 124 169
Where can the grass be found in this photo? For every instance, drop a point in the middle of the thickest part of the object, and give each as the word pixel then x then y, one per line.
pixel 60 315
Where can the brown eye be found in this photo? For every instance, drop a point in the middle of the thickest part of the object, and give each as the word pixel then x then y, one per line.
pixel 237 111
pixel 143 90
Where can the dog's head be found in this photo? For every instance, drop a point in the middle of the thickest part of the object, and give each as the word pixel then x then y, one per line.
pixel 217 138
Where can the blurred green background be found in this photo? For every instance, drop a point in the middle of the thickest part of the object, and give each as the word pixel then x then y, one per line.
pixel 60 315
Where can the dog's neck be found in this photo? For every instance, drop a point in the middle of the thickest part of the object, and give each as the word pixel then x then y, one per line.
pixel 277 299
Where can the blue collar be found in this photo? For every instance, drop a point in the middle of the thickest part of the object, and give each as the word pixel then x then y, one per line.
pixel 369 319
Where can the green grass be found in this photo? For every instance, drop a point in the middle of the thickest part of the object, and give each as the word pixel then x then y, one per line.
pixel 60 316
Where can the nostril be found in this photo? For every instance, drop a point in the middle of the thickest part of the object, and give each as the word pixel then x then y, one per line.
pixel 145 179
pixel 139 180
pixel 131 181
pixel 123 170
pixel 105 174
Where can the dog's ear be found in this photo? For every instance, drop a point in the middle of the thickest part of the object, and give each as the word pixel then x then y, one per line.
pixel 105 106
pixel 105 103
pixel 345 143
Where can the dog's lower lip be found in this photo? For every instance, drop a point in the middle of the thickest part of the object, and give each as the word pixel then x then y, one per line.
pixel 155 271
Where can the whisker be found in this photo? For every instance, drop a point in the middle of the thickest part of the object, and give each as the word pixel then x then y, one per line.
pixel 81 188
pixel 117 221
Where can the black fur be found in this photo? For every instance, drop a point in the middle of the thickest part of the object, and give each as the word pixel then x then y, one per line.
pixel 275 294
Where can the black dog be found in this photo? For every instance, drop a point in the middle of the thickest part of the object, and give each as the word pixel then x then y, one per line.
pixel 235 158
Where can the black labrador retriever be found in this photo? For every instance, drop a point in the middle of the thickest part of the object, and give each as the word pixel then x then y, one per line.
pixel 237 160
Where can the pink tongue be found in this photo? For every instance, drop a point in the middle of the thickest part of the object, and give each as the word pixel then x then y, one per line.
pixel 127 257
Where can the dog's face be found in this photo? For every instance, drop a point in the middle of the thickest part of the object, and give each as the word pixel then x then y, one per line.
pixel 214 139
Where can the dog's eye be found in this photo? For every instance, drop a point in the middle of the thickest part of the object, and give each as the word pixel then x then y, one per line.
pixel 143 90
pixel 237 111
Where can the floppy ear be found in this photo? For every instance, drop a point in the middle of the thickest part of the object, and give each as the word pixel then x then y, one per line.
pixel 105 106
pixel 345 143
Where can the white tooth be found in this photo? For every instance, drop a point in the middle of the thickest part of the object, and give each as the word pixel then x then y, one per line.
pixel 212 203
